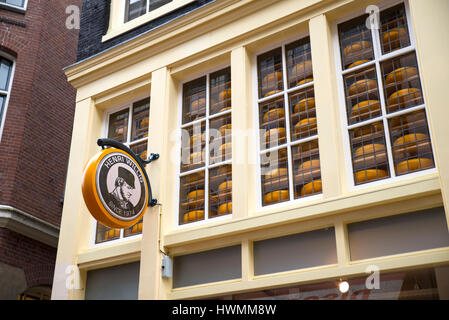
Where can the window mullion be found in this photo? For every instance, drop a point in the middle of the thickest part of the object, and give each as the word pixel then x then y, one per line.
pixel 207 153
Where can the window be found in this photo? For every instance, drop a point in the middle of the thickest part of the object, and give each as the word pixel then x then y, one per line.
pixel 129 126
pixel 137 8
pixel 289 156
pixel 21 4
pixel 385 111
pixel 6 72
pixel 206 148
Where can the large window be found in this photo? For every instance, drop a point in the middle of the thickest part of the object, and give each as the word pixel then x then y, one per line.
pixel 137 8
pixel 6 72
pixel 385 110
pixel 129 126
pixel 206 148
pixel 289 155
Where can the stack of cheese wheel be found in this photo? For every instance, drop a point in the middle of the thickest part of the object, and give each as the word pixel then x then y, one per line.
pixel 414 165
pixel 197 108
pixel 195 198
pixel 391 38
pixel 401 74
pixel 274 137
pixel 273 115
pixel 137 228
pixel 225 187
pixel 276 196
pixel 309 168
pixel 356 48
pixel 277 178
pixel 357 63
pixel 404 96
pixel 272 82
pixel 305 126
pixel 371 154
pixel 112 234
pixel 196 158
pixel 370 129
pixel 301 70
pixel 366 109
pixel 362 86
pixel 305 104
pixel 311 188
pixel 414 143
pixel 193 216
pixel 225 208
pixel 370 175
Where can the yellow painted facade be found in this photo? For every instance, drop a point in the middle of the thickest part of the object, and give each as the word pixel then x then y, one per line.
pixel 230 33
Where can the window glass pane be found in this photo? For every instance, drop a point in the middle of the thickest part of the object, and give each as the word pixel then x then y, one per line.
pixel 220 139
pixel 193 146
pixel 355 42
pixel 154 4
pixel 2 105
pixel 106 234
pixel 306 168
pixel 17 3
pixel 275 181
pixel 141 119
pixel 402 85
pixel 299 62
pixel 394 30
pixel 134 9
pixel 5 73
pixel 135 229
pixel 118 126
pixel 269 67
pixel 412 150
pixel 362 95
pixel 369 155
pixel 192 196
pixel 220 91
pixel 302 114
pixel 220 191
pixel 194 100
pixel 272 123
pixel 140 149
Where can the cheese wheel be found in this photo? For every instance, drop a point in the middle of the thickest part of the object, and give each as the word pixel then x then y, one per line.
pixel 143 155
pixel 305 125
pixel 195 177
pixel 145 122
pixel 224 95
pixel 225 170
pixel 365 108
pixel 369 175
pixel 301 69
pixel 404 95
pixel 197 105
pixel 305 104
pixel 225 208
pixel 357 63
pixel 137 228
pixel 369 149
pixel 274 114
pixel 413 165
pixel 226 148
pixel 401 74
pixel 225 186
pixel 272 92
pixel 410 144
pixel 311 187
pixel 272 79
pixel 393 35
pixel 196 158
pixel 408 119
pixel 225 109
pixel 194 216
pixel 276 196
pixel 356 47
pixel 112 234
pixel 409 138
pixel 310 164
pixel 196 194
pixel 362 86
pixel 197 139
pixel 307 80
pixel 276 173
pixel 119 131
pixel 225 129
pixel 371 129
pixel 275 134
pixel 308 146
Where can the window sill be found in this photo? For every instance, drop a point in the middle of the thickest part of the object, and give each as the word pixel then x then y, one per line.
pixel 12 8
pixel 120 28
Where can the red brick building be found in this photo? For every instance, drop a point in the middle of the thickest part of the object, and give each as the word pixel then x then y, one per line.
pixel 36 115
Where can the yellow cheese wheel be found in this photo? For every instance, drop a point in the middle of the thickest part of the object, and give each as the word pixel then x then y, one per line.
pixel 305 125
pixel 226 148
pixel 357 63
pixel 369 149
pixel 408 119
pixel 302 69
pixel 143 155
pixel 307 80
pixel 393 35
pixel 196 195
pixel 310 164
pixel 276 173
pixel 276 196
pixel 274 114
pixel 225 208
pixel 195 177
pixel 137 228
pixel 225 129
pixel 272 79
pixel 362 86
pixel 401 74
pixel 413 165
pixel 112 234
pixel 225 186
pixel 194 216
pixel 369 175
pixel 225 170
pixel 308 146
pixel 371 129
pixel 356 47
pixel 404 95
pixel 145 122
pixel 409 138
pixel 196 158
pixel 197 105
pixel 365 108
pixel 224 95
pixel 225 109
pixel 272 92
pixel 275 134
pixel 311 187
pixel 197 139
pixel 305 104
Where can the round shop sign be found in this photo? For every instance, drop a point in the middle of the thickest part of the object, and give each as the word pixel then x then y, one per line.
pixel 115 189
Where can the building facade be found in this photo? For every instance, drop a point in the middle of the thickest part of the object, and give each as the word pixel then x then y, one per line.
pixel 302 145
pixel 36 118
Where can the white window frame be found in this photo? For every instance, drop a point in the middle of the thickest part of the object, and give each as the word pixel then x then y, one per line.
pixel 175 4
pixel 7 92
pixel 258 183
pixel 106 117
pixel 207 166
pixel 15 8
pixel 378 59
